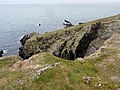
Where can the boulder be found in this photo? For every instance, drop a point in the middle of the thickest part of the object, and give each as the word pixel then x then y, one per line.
pixel 1 53
pixel 24 39
pixel 80 23
pixel 27 36
pixel 67 24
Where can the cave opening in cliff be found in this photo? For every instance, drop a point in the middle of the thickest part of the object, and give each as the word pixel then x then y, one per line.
pixel 84 43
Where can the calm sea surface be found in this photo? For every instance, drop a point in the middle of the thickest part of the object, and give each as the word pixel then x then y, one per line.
pixel 18 20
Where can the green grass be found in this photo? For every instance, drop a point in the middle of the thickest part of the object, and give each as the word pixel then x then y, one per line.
pixel 66 76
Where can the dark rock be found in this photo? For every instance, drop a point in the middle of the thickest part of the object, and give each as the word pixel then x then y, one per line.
pixel 67 24
pixel 80 23
pixel 39 24
pixel 25 51
pixel 65 50
pixel 1 53
pixel 85 41
pixel 71 43
pixel 24 39
pixel 67 21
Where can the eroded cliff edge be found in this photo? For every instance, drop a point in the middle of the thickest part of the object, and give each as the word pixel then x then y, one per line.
pixel 44 71
pixel 74 42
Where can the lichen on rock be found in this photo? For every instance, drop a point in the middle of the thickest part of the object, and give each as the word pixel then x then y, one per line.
pixel 73 42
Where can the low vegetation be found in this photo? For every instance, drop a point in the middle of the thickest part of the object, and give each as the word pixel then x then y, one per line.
pixel 98 71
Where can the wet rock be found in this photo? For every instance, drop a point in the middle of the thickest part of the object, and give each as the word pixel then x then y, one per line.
pixel 27 36
pixel 80 23
pixel 24 39
pixel 67 24
pixel 1 53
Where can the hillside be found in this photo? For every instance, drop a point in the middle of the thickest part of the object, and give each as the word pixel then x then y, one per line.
pixel 88 58
pixel 71 43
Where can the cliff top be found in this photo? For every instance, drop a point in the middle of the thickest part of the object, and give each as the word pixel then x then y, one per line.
pixel 99 70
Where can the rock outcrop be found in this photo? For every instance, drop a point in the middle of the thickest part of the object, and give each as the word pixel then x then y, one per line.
pixel 67 24
pixel 25 49
pixel 70 49
pixel 1 53
pixel 26 37
pixel 73 42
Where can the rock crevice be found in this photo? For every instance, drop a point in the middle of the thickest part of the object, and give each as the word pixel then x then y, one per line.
pixel 70 44
pixel 73 42
pixel 71 49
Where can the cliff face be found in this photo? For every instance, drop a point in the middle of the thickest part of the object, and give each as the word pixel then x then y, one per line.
pixel 76 45
pixel 98 42
pixel 44 71
pixel 74 42
pixel 26 46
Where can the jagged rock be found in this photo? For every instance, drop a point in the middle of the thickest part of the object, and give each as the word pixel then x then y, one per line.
pixel 67 21
pixel 80 23
pixel 72 43
pixel 22 51
pixel 23 40
pixel 1 53
pixel 65 49
pixel 26 37
pixel 67 24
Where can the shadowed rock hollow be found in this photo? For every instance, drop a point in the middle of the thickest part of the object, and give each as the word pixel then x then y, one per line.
pixel 77 45
pixel 98 40
pixel 74 42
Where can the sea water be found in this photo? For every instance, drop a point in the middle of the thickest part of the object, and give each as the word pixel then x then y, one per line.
pixel 17 20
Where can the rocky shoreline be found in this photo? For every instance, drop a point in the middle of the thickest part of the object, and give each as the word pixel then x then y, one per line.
pixel 94 48
pixel 72 42
pixel 1 53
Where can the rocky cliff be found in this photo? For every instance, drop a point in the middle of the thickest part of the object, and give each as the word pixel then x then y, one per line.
pixel 96 45
pixel 73 42
pixel 43 71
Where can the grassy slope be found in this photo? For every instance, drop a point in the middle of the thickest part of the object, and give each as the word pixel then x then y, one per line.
pixel 103 67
